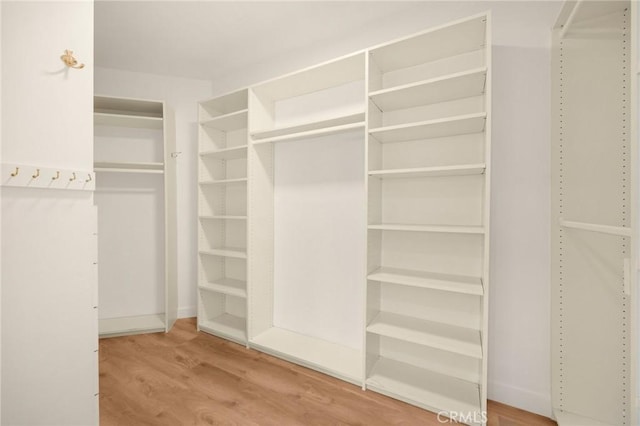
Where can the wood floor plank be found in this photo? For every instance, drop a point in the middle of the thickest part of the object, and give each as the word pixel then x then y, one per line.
pixel 190 378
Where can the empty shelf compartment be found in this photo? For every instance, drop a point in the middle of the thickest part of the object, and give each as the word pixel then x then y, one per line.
pixel 464 341
pixel 437 281
pixel 434 391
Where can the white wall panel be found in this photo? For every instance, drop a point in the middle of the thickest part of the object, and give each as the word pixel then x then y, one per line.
pixel 49 325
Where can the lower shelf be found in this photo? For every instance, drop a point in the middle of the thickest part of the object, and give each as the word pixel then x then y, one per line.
pixel 331 358
pixel 426 389
pixel 564 418
pixel 460 340
pixel 227 326
pixel 229 286
pixel 113 327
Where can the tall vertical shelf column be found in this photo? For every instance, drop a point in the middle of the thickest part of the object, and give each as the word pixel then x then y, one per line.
pixel 594 213
pixel 428 259
pixel 135 195
pixel 222 216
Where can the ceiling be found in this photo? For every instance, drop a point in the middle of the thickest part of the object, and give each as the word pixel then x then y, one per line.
pixel 216 40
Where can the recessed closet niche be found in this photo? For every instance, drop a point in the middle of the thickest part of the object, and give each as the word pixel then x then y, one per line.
pixel 135 195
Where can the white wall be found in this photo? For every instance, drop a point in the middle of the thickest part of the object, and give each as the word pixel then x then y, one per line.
pixel 519 351
pixel 181 96
pixel 49 324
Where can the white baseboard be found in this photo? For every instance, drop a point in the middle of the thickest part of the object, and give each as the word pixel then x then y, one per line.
pixel 187 312
pixel 535 402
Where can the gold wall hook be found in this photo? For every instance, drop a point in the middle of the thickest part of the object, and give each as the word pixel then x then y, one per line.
pixel 14 174
pixel 57 176
pixel 37 174
pixel 71 179
pixel 70 61
pixel 89 179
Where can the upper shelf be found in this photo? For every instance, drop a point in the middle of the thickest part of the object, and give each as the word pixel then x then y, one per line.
pixel 316 128
pixel 448 40
pixel 232 153
pixel 447 88
pixel 442 127
pixel 127 120
pixel 128 106
pixel 227 122
pixel 224 105
pixel 461 170
pixel 124 112
pixel 329 74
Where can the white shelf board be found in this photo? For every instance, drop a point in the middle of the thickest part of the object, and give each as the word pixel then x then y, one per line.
pixel 329 74
pixel 431 280
pixel 222 217
pixel 116 167
pixel 460 340
pixel 226 325
pixel 228 122
pixel 229 286
pixel 447 88
pixel 327 131
pixel 227 153
pixel 448 40
pixel 430 390
pixel 448 229
pixel 127 120
pixel 596 227
pixel 239 253
pixel 458 170
pixel 128 106
pixel 224 181
pixel 113 327
pixel 226 104
pixel 442 127
pixel 327 357
pixel 283 132
pixel 565 418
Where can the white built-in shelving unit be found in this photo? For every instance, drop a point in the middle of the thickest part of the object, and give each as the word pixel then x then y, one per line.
pixel 594 214
pixel 135 196
pixel 222 217
pixel 428 151
pixel 344 217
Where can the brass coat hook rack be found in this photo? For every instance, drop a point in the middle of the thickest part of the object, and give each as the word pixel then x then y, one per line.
pixel 70 61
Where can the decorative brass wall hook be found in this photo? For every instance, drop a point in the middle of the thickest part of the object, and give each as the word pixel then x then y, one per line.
pixel 37 174
pixel 89 179
pixel 14 174
pixel 71 179
pixel 70 61
pixel 57 176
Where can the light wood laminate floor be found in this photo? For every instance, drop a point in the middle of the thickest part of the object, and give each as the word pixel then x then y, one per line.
pixel 190 378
